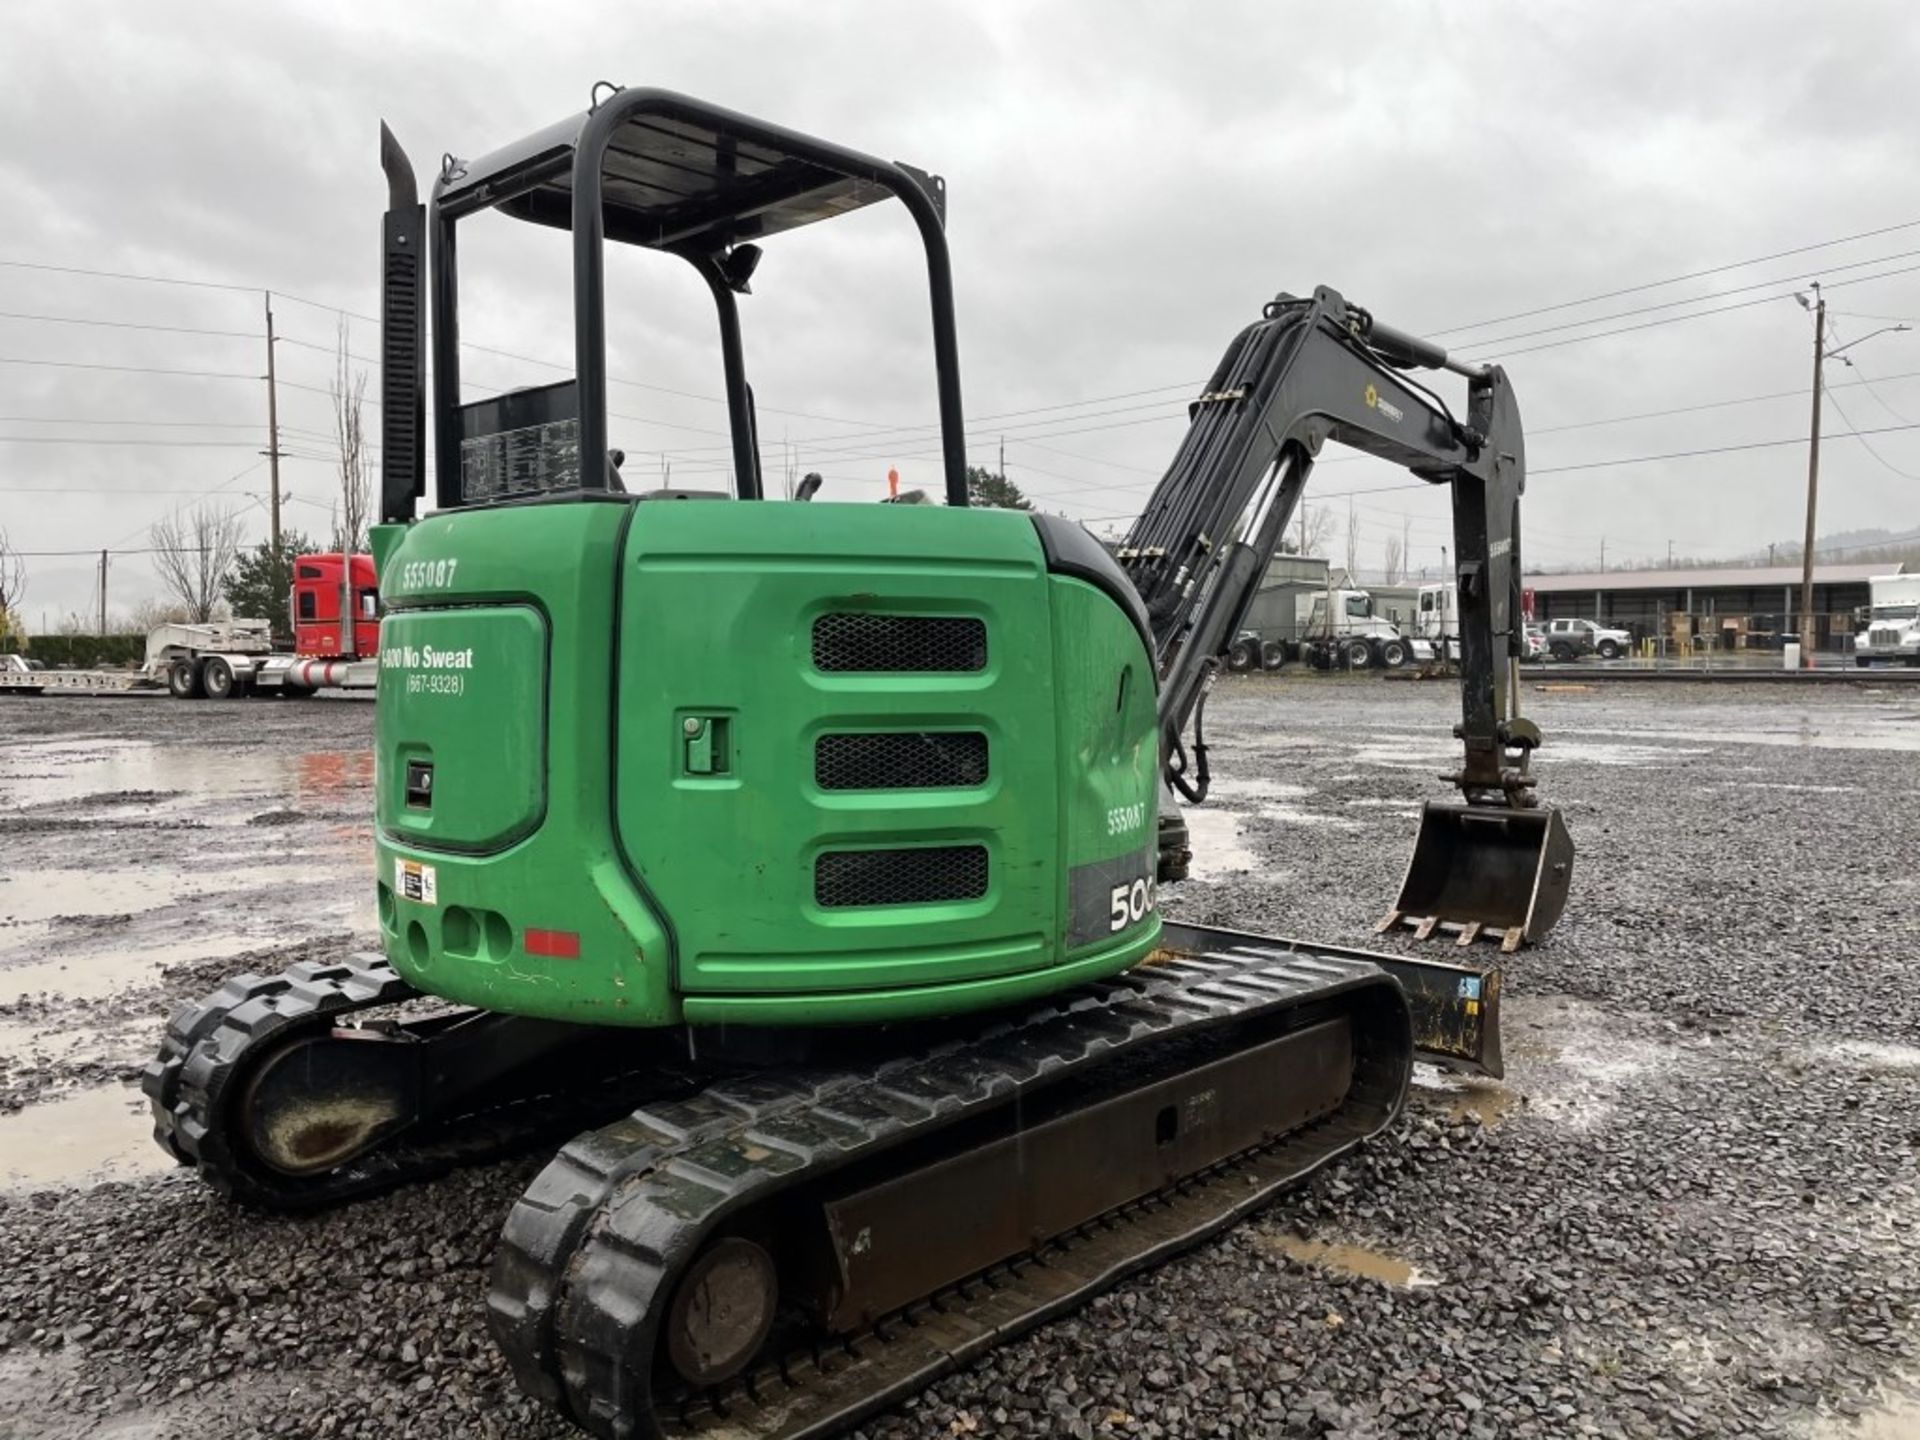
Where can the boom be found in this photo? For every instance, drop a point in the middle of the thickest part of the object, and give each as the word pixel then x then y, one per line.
pixel 1307 372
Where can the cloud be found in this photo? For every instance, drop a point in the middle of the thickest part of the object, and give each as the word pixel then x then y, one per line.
pixel 1128 184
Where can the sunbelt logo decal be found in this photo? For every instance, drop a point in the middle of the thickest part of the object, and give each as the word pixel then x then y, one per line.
pixel 1386 407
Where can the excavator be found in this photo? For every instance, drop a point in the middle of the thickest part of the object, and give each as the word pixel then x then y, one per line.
pixel 801 860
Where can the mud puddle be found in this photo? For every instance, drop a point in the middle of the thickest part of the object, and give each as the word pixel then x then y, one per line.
pixel 1468 1097
pixel 1257 789
pixel 63 772
pixel 83 1138
pixel 1895 1416
pixel 1307 819
pixel 1219 845
pixel 30 895
pixel 1878 1055
pixel 132 962
pixel 1870 733
pixel 1355 1260
pixel 22 1041
pixel 1391 749
pixel 1586 1073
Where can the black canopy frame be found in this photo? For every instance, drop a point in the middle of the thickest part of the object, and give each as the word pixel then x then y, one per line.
pixel 664 171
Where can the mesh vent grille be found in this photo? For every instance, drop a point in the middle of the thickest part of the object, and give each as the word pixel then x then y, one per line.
pixel 900 760
pixel 900 877
pixel 860 641
pixel 400 417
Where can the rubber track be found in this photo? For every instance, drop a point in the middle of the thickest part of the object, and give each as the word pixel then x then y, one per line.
pixel 207 1047
pixel 588 1256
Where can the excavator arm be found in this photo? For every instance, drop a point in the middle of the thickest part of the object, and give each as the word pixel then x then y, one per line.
pixel 1309 371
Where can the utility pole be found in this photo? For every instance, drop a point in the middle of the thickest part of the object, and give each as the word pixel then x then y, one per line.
pixel 1813 479
pixel 103 594
pixel 1003 457
pixel 273 430
pixel 1603 554
pixel 1669 554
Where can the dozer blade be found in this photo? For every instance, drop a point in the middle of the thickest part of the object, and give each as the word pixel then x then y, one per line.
pixel 1485 871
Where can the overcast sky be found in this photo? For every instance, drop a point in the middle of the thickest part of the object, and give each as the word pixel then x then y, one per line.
pixel 1127 185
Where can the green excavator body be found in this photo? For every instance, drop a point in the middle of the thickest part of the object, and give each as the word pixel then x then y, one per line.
pixel 661 762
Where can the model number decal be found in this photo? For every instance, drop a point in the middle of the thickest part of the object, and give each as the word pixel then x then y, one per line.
pixel 1131 904
pixel 1107 897
pixel 427 574
pixel 1125 819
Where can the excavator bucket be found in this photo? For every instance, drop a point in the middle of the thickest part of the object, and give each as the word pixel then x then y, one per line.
pixel 1485 871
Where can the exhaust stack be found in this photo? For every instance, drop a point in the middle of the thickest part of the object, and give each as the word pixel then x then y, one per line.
pixel 403 333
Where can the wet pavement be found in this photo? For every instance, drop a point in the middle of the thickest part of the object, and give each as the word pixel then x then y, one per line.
pixel 1690 1209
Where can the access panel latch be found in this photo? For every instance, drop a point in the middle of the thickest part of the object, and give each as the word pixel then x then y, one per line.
pixel 419 784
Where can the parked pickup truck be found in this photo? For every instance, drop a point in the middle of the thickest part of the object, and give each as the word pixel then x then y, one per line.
pixel 1570 639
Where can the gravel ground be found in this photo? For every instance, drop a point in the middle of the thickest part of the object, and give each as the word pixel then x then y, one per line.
pixel 1689 1212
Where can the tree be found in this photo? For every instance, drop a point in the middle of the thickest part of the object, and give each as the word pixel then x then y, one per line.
pixel 1310 534
pixel 348 389
pixel 986 488
pixel 147 614
pixel 192 555
pixel 13 591
pixel 261 579
pixel 1396 559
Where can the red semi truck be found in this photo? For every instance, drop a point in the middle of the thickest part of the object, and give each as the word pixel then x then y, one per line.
pixel 224 659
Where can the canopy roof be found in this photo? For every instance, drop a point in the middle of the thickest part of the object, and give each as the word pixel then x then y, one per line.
pixel 677 173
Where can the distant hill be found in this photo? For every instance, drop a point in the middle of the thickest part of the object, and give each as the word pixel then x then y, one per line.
pixel 1865 547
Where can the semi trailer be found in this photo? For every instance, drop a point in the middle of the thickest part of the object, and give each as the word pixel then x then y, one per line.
pixel 1300 613
pixel 229 659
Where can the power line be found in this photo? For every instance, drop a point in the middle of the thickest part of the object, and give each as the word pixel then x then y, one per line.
pixel 1885 379
pixel 847 453
pixel 169 424
pixel 172 510
pixel 1697 315
pixel 128 369
pixel 129 325
pixel 1684 300
pixel 121 275
pixel 1799 394
pixel 1677 279
pixel 1716 450
pixel 1565 469
pixel 109 490
pixel 1861 436
pixel 136 443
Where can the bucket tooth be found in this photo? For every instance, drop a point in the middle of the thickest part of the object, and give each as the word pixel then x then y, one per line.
pixel 1489 870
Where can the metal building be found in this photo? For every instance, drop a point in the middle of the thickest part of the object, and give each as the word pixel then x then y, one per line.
pixel 1739 607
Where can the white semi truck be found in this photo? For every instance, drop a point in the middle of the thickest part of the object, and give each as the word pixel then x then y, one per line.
pixel 1892 632
pixel 1301 612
